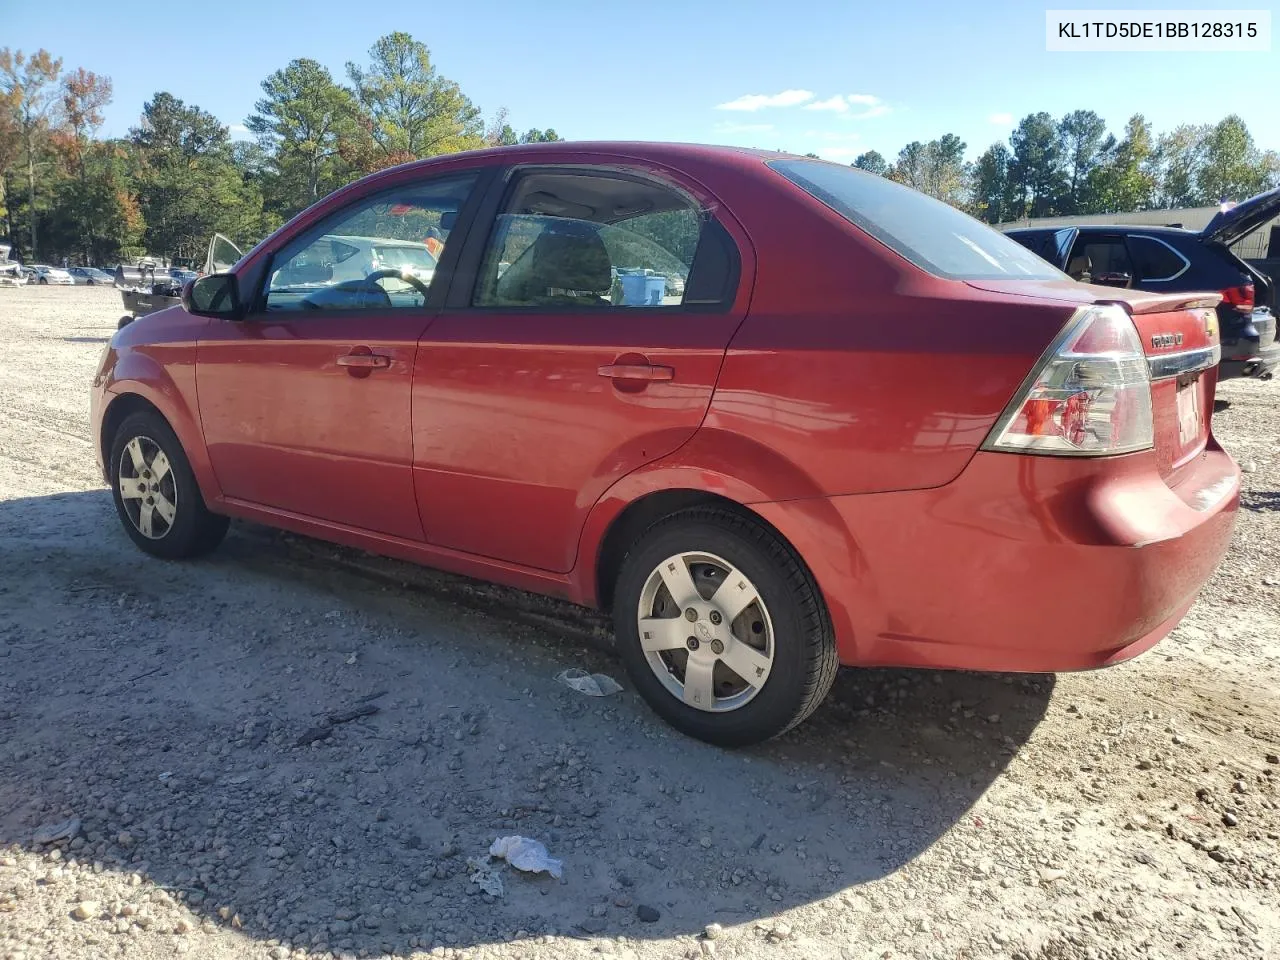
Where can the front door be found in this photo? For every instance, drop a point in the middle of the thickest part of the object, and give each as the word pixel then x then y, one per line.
pixel 589 345
pixel 305 404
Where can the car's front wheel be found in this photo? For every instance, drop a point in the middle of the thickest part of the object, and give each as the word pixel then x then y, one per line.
pixel 722 629
pixel 155 492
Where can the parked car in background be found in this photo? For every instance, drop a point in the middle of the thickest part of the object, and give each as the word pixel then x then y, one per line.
pixel 52 275
pixel 90 276
pixel 792 466
pixel 1173 260
pixel 10 270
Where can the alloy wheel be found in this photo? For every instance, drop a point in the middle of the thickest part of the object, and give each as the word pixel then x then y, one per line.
pixel 705 632
pixel 147 487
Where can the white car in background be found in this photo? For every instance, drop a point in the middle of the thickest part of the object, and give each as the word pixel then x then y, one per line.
pixel 55 275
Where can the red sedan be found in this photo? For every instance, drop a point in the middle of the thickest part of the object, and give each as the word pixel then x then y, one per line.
pixel 776 414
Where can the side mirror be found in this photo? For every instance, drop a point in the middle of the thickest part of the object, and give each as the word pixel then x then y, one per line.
pixel 214 296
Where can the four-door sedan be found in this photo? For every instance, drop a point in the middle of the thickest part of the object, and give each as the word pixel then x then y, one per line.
pixel 90 276
pixel 51 275
pixel 868 431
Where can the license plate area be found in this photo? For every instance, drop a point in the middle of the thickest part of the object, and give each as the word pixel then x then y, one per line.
pixel 1190 413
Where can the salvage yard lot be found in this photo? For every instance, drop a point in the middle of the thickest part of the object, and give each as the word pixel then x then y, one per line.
pixel 174 710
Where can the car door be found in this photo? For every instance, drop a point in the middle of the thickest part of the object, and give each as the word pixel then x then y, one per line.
pixel 305 403
pixel 582 339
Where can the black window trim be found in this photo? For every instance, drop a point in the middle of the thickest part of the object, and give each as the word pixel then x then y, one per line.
pixel 1186 264
pixel 464 279
pixel 441 279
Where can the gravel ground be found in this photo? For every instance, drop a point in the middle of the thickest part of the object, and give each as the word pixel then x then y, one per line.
pixel 179 714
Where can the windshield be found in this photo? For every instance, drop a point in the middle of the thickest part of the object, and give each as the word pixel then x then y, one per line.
pixel 932 235
pixel 417 258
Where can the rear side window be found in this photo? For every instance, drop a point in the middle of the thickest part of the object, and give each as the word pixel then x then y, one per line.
pixel 932 235
pixel 1155 260
pixel 595 240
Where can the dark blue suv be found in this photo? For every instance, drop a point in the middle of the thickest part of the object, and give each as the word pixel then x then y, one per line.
pixel 1173 260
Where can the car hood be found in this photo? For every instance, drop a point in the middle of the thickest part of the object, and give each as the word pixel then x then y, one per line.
pixel 1229 226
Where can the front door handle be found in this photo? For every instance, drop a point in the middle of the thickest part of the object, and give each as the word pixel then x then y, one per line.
pixel 365 361
pixel 636 371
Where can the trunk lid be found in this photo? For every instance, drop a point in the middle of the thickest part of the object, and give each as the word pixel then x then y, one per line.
pixel 1228 226
pixel 1179 333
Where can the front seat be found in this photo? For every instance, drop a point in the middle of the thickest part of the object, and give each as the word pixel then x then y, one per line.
pixel 568 265
pixel 1080 268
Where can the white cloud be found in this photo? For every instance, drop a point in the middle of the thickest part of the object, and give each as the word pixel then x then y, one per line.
pixel 865 99
pixel 836 104
pixel 1001 119
pixel 751 102
pixel 238 131
pixel 879 110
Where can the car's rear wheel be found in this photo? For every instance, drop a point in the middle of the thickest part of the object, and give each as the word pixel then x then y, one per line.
pixel 722 629
pixel 155 492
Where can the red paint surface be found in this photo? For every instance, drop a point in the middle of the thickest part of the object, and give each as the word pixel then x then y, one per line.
pixel 843 398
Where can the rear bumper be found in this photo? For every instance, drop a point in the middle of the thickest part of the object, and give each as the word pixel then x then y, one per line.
pixel 1262 363
pixel 1022 563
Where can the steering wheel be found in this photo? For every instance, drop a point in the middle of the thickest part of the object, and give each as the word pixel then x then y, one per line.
pixel 407 277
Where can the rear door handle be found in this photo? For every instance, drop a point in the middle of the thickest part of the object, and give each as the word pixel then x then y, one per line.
pixel 364 361
pixel 636 371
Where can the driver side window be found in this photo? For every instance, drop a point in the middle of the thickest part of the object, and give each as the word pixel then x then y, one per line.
pixel 381 253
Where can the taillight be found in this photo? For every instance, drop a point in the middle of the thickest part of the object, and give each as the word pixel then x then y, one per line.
pixel 1240 297
pixel 1090 396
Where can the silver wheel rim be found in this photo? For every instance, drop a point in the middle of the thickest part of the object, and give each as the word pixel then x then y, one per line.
pixel 705 632
pixel 147 488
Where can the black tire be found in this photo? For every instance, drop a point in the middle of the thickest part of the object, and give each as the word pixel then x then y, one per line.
pixel 805 659
pixel 194 530
pixel 124 321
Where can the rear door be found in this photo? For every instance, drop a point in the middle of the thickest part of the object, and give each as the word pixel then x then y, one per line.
pixel 582 339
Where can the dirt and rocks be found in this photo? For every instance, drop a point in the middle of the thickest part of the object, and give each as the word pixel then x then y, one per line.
pixel 191 762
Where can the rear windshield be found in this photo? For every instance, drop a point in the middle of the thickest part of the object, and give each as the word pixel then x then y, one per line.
pixel 932 235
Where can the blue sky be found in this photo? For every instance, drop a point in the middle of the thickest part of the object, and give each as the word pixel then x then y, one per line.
pixel 835 77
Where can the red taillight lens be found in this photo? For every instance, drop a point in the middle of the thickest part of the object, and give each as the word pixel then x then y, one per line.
pixel 1090 397
pixel 1240 297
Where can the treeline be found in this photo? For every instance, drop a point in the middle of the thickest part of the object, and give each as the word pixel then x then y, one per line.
pixel 1073 165
pixel 178 177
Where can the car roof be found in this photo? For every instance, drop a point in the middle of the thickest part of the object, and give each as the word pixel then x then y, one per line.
pixel 569 151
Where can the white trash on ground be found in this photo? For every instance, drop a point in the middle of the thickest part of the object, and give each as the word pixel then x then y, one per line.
pixel 527 855
pixel 592 684
pixel 485 875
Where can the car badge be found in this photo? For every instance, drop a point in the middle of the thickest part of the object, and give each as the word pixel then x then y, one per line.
pixel 1166 339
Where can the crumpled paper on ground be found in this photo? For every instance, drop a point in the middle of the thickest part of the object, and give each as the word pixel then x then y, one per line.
pixel 592 684
pixel 527 855
pixel 485 875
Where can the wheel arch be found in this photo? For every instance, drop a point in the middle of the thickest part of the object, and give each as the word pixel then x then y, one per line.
pixel 733 473
pixel 137 396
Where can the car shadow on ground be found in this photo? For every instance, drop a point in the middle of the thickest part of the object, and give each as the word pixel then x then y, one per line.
pixel 179 710
pixel 1260 499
